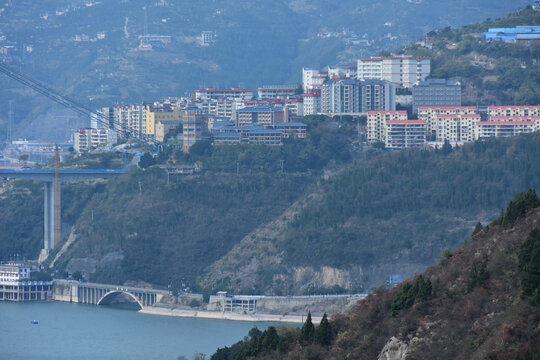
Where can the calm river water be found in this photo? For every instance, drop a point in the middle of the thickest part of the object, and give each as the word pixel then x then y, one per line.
pixel 76 331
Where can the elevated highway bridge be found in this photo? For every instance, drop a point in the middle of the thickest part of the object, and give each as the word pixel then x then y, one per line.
pixel 52 180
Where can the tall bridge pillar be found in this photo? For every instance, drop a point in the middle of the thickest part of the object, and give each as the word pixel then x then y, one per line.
pixel 49 221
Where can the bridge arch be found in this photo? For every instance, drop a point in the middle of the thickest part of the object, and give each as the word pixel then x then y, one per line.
pixel 106 299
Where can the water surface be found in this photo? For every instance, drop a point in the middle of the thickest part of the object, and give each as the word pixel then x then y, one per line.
pixel 77 331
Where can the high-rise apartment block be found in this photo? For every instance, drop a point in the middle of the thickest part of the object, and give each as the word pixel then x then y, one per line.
pixel 400 70
pixel 88 139
pixel 312 103
pixel 131 119
pixel 340 96
pixel 352 96
pixel 436 92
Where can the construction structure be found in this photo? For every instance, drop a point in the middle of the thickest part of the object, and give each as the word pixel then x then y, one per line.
pixel 52 179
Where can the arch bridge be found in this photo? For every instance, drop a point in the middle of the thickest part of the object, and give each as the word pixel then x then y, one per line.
pixel 102 294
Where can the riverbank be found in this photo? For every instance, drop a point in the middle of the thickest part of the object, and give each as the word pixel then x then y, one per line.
pixel 217 315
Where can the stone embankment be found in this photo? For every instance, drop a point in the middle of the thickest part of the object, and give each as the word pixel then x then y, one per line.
pixel 203 314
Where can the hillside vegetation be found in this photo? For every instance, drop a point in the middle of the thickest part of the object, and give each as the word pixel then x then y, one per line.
pixel 479 302
pixel 490 72
pixel 389 212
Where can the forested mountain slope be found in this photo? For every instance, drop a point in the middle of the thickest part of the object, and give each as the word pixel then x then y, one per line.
pixel 389 212
pixel 480 301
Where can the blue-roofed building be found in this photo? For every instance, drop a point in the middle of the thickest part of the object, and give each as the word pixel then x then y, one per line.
pixel 524 33
pixel 265 115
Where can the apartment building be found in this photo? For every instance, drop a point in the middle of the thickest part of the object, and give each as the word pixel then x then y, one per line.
pixel 430 114
pixel 232 93
pixel 340 96
pixel 169 117
pixel 264 115
pixel 486 129
pixel 220 107
pixel 376 123
pixel 312 80
pixel 131 118
pixel 401 134
pixel 533 118
pixel 377 95
pixel 275 91
pixel 436 92
pixel 87 139
pixel 504 110
pixel 401 70
pixel 195 126
pixel 457 127
pixel 312 103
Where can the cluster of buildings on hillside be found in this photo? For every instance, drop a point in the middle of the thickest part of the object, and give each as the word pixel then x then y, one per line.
pixel 273 113
pixel 455 124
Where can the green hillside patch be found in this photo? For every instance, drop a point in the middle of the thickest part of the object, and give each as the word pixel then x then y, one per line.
pixel 171 232
pixel 420 201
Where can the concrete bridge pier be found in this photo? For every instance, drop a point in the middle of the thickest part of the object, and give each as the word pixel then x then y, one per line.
pixel 49 221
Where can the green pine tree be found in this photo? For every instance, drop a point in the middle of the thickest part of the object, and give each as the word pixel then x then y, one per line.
pixel 529 266
pixel 323 334
pixel 477 228
pixel 308 330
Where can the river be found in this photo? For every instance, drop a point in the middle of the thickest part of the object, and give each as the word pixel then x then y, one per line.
pixel 77 331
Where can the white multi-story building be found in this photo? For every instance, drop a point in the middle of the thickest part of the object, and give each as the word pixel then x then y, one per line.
pixel 533 118
pixel 312 104
pixel 533 110
pixel 232 93
pixel 402 70
pixel 376 123
pixel 457 127
pixel 430 115
pixel 87 139
pixel 486 129
pixel 312 80
pixel 131 118
pixel 399 134
pixel 12 272
pixel 274 91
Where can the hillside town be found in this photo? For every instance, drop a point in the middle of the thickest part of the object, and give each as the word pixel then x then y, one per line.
pixel 378 90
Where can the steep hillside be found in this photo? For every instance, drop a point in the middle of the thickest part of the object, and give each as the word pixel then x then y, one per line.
pixel 490 72
pixel 478 302
pixel 90 50
pixel 388 213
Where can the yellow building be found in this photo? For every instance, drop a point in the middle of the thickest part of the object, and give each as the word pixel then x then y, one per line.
pixel 168 119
